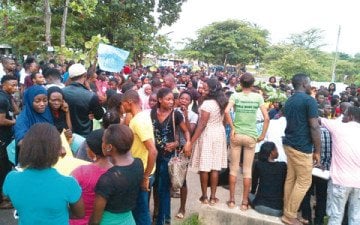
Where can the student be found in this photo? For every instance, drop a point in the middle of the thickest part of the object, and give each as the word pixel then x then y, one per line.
pixel 40 194
pixel 117 190
pixel 59 110
pixel 35 110
pixel 8 110
pixel 209 140
pixel 344 184
pixel 244 134
pixel 82 102
pixel 143 148
pixel 268 181
pixel 190 119
pixel 37 79
pixel 88 175
pixel 163 118
pixel 302 133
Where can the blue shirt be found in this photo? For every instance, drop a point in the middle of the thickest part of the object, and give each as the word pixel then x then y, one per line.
pixel 65 77
pixel 41 197
pixel 298 109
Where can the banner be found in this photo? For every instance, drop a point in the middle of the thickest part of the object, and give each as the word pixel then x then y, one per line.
pixel 110 58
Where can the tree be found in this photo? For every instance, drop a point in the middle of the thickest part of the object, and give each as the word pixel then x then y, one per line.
pixel 309 39
pixel 24 38
pixel 129 24
pixel 231 41
pixel 47 20
pixel 85 8
pixel 291 60
pixel 63 23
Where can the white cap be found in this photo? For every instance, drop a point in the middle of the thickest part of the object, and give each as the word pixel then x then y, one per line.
pixel 76 70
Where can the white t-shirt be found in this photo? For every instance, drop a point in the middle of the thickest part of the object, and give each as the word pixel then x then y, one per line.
pixel 193 118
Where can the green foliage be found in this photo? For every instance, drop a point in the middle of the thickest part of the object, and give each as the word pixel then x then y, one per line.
pixel 274 95
pixel 129 24
pixel 231 41
pixel 161 45
pixel 192 220
pixel 18 33
pixel 63 53
pixel 287 60
pixel 291 62
pixel 88 55
pixel 84 7
pixel 309 39
pixel 169 11
pixel 92 46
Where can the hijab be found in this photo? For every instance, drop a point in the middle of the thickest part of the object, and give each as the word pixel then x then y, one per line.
pixel 28 115
pixel 144 97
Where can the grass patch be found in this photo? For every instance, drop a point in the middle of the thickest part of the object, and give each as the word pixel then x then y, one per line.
pixel 192 220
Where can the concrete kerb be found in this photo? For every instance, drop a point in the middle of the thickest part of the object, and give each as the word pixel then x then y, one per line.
pixel 220 214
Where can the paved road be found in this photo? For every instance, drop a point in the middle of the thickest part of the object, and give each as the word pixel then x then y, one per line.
pixel 193 205
pixel 6 217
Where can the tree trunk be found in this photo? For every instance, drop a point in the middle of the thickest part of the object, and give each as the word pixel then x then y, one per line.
pixel 63 23
pixel 225 61
pixel 47 19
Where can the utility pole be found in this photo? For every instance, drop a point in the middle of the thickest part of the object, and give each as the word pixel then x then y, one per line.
pixel 336 56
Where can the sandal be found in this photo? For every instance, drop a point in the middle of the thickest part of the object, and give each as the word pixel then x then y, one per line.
pixel 180 216
pixel 289 221
pixel 204 200
pixel 244 206
pixel 303 221
pixel 175 195
pixel 231 204
pixel 213 201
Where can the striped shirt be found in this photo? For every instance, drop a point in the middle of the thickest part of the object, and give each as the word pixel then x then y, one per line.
pixel 325 154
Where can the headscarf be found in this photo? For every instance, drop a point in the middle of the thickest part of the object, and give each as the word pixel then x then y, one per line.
pixel 144 97
pixel 28 115
pixel 54 89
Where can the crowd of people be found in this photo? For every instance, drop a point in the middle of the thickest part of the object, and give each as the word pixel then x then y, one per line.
pixel 133 122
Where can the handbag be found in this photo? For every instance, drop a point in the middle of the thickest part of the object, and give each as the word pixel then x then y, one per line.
pixel 177 165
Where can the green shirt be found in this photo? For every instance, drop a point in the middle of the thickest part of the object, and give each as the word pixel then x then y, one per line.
pixel 246 106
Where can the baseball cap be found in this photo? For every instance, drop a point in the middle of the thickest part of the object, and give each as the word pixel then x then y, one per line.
pixel 76 70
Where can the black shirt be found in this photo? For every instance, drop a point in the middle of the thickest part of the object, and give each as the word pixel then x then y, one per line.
pixel 120 186
pixel 6 132
pixel 82 102
pixel 268 179
pixel 60 120
pixel 164 132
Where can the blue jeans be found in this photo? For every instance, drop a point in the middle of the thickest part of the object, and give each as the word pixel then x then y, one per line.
pixel 141 212
pixel 337 197
pixel 163 185
pixel 265 209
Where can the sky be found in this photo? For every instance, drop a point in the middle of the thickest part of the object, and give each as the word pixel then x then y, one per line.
pixel 280 17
